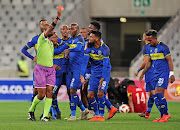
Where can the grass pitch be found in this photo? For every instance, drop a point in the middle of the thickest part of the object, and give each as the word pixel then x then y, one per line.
pixel 13 115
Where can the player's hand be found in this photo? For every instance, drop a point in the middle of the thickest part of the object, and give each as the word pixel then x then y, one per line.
pixel 35 59
pixel 83 81
pixel 66 52
pixel 136 73
pixel 172 79
pixel 67 56
pixel 56 67
pixel 59 12
pixel 141 77
pixel 100 83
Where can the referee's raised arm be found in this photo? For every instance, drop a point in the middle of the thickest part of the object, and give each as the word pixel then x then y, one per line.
pixel 52 26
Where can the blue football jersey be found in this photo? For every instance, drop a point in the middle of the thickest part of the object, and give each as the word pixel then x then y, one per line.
pixel 33 43
pixel 86 42
pixel 76 54
pixel 158 56
pixel 58 60
pixel 65 62
pixel 76 57
pixel 97 57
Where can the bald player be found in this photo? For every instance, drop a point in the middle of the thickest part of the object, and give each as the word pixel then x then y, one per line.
pixel 75 48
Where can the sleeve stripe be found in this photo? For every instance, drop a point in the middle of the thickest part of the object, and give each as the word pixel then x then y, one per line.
pixel 86 54
pixel 106 57
pixel 168 54
pixel 27 45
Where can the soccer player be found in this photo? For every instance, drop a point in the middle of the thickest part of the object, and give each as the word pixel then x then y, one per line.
pixel 75 48
pixel 44 71
pixel 30 44
pixel 83 91
pixel 136 98
pixel 95 26
pixel 60 60
pixel 150 88
pixel 160 58
pixel 98 54
pixel 84 33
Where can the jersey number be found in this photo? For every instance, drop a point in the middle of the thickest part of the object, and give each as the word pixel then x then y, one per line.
pixel 142 98
pixel 161 80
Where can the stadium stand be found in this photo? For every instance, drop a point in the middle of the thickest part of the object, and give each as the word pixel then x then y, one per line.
pixel 19 23
pixel 169 34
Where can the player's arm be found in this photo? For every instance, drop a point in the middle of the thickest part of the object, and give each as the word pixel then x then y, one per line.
pixel 146 58
pixel 147 67
pixel 167 55
pixel 106 54
pixel 26 53
pixel 61 49
pixel 77 48
pixel 52 26
pixel 84 65
pixel 30 44
pixel 130 100
pixel 171 74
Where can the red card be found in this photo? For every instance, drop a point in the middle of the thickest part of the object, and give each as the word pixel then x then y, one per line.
pixel 60 7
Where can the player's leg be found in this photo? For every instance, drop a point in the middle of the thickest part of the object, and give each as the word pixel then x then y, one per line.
pixel 75 84
pixel 93 105
pixel 36 100
pixel 83 91
pixel 50 83
pixel 150 88
pixel 40 84
pixel 68 82
pixel 101 98
pixel 47 102
pixel 163 105
pixel 92 92
pixel 150 103
pixel 74 102
pixel 84 101
pixel 112 109
pixel 161 86
pixel 54 98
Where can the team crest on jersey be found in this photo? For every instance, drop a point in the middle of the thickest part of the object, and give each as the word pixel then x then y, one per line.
pixel 150 50
pixel 92 51
pixel 155 50
pixel 99 52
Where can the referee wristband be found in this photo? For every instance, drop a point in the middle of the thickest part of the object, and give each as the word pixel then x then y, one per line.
pixel 171 73
pixel 58 18
pixel 138 70
pixel 53 24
